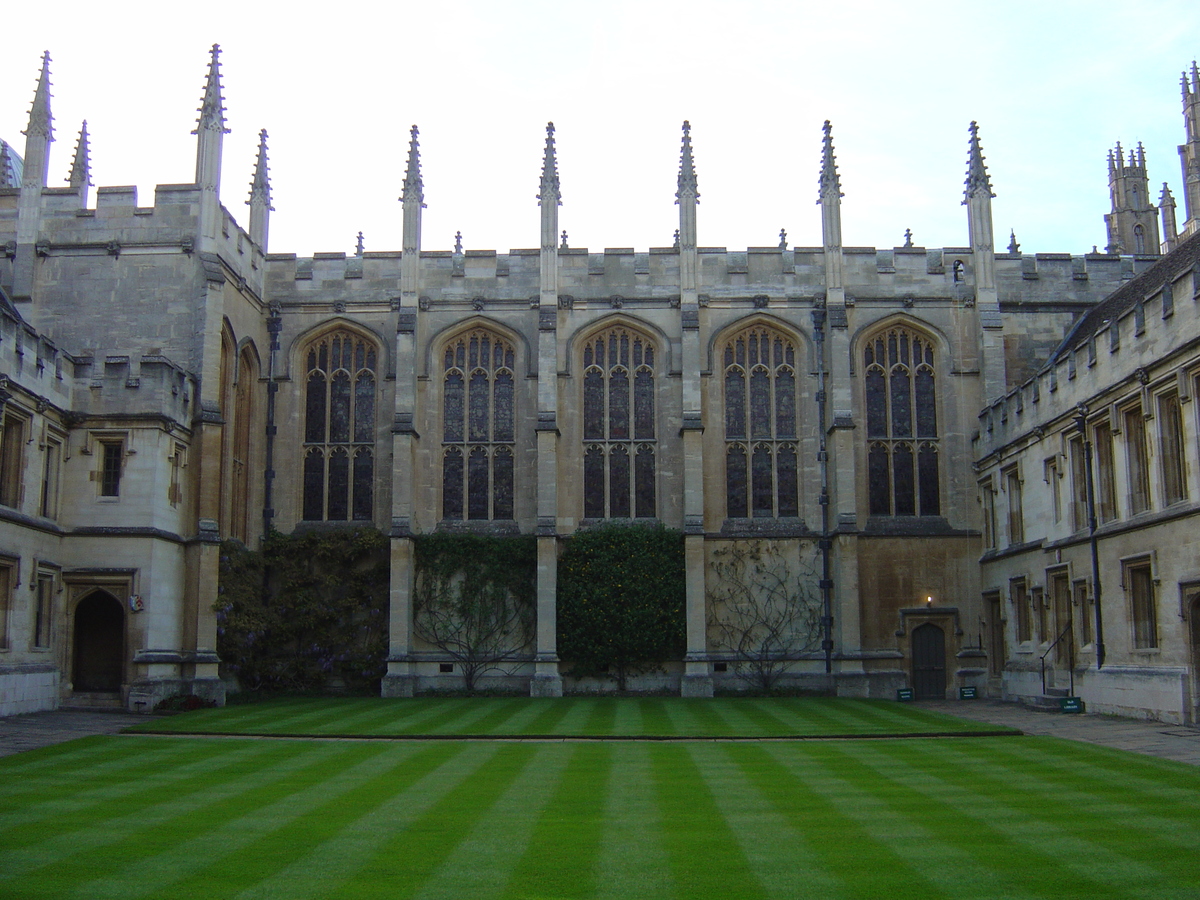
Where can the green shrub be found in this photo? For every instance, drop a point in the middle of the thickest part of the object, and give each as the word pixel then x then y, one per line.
pixel 306 612
pixel 621 600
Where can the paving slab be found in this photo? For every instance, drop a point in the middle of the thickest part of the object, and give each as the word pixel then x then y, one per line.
pixel 42 729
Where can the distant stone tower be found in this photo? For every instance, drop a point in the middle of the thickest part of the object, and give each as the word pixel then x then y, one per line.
pixel 1133 222
pixel 1189 152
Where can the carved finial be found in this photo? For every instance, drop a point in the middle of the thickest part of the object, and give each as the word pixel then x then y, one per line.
pixel 1013 247
pixel 260 184
pixel 41 123
pixel 830 184
pixel 81 170
pixel 212 106
pixel 8 173
pixel 1120 156
pixel 1165 198
pixel 1195 86
pixel 1112 163
pixel 358 245
pixel 686 187
pixel 908 237
pixel 563 245
pixel 676 244
pixel 458 248
pixel 977 174
pixel 782 239
pixel 414 187
pixel 550 191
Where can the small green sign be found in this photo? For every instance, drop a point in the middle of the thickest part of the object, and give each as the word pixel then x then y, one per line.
pixel 1071 704
pixel 967 693
pixel 904 694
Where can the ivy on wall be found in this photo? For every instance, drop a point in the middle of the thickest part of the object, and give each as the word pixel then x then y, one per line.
pixel 621 601
pixel 308 611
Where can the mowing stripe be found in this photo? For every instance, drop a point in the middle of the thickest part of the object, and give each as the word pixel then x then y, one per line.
pixel 561 855
pixel 501 712
pixel 550 713
pixel 633 861
pixel 402 865
pixel 704 855
pixel 706 720
pixel 796 782
pixel 602 714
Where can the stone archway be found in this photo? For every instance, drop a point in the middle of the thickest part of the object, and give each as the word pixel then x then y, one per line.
pixel 929 662
pixel 99 663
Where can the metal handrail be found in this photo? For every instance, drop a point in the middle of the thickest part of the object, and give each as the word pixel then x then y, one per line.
pixel 1069 633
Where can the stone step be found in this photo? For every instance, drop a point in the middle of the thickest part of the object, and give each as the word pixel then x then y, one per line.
pixel 93 700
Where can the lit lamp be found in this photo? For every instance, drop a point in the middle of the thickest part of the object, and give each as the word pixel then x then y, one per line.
pixel 929 601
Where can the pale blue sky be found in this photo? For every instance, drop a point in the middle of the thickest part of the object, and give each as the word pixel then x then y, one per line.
pixel 1052 84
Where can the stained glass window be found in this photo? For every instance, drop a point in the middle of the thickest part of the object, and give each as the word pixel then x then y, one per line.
pixel 339 428
pixel 478 427
pixel 901 414
pixel 618 426
pixel 761 476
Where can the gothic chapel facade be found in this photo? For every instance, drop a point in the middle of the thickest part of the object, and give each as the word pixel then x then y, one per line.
pixel 167 383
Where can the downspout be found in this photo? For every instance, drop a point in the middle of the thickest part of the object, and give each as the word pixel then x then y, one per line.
pixel 826 543
pixel 274 327
pixel 1081 424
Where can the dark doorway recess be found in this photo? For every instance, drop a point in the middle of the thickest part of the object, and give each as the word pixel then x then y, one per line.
pixel 99 644
pixel 929 662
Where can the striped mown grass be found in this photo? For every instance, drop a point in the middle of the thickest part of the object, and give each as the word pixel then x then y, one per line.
pixel 745 717
pixel 983 817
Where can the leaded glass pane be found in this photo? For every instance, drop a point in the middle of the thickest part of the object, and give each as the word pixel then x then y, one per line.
pixel 901 404
pixel 927 474
pixel 789 501
pixel 314 409
pixel 903 481
pixel 364 408
pixel 760 403
pixel 452 401
pixel 876 404
pixel 339 408
pixel 879 482
pixel 926 409
pixel 762 484
pixel 504 406
pixel 314 486
pixel 339 485
pixel 643 405
pixel 735 483
pixel 618 405
pixel 502 504
pixel 644 487
pixel 735 404
pixel 452 485
pixel 477 425
pixel 364 474
pixel 785 404
pixel 477 484
pixel 593 406
pixel 593 483
pixel 618 483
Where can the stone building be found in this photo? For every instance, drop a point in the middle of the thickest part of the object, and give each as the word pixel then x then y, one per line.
pixel 168 383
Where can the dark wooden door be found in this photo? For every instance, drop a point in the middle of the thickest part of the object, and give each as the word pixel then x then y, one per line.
pixel 929 662
pixel 99 643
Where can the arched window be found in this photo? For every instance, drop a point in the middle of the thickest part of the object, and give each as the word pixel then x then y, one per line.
pixel 618 426
pixel 902 429
pixel 339 428
pixel 1139 239
pixel 761 476
pixel 478 427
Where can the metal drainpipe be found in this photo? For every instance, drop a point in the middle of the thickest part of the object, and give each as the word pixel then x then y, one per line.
pixel 1081 424
pixel 818 316
pixel 274 327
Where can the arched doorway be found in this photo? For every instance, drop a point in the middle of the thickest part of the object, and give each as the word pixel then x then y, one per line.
pixel 99 644
pixel 929 662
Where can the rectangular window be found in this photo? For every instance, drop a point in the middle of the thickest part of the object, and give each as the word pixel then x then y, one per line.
pixel 1106 489
pixel 1051 477
pixel 1060 592
pixel 1016 520
pixel 1139 585
pixel 991 602
pixel 1170 435
pixel 42 611
pixel 1037 599
pixel 1135 449
pixel 112 458
pixel 51 473
pixel 987 498
pixel 178 463
pixel 1019 594
pixel 1079 511
pixel 1084 611
pixel 12 458
pixel 6 585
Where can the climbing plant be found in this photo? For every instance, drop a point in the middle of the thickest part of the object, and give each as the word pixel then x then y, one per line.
pixel 307 611
pixel 474 599
pixel 621 599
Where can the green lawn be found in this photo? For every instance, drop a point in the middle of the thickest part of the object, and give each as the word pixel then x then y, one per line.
pixel 147 816
pixel 571 717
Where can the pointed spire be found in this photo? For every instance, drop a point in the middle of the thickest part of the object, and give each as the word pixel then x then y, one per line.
pixel 41 123
pixel 212 105
pixel 7 170
pixel 1183 81
pixel 1120 156
pixel 829 180
pixel 81 167
pixel 977 174
pixel 1112 163
pixel 1165 198
pixel 1141 155
pixel 686 187
pixel 260 183
pixel 1013 247
pixel 414 187
pixel 550 189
